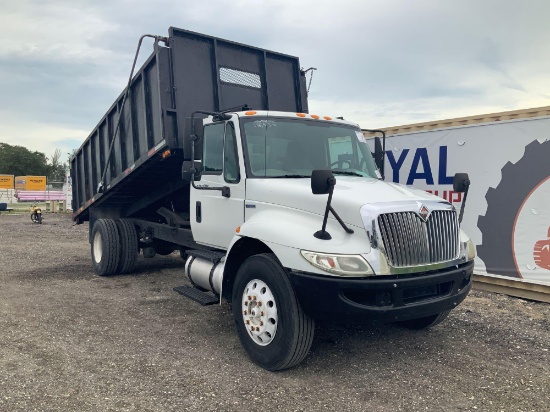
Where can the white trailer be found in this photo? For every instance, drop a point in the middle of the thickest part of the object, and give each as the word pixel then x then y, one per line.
pixel 507 156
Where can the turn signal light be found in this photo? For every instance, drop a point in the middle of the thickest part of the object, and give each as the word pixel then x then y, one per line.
pixel 166 153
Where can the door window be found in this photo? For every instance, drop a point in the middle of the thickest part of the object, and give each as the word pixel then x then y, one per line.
pixel 212 154
pixel 231 160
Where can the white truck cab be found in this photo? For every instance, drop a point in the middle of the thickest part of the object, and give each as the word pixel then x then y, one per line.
pixel 386 252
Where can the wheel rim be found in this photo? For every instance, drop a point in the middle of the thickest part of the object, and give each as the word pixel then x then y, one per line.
pixel 98 247
pixel 259 312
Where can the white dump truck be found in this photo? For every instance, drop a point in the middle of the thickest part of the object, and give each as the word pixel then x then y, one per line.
pixel 284 214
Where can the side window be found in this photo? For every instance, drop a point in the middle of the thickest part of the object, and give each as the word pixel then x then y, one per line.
pixel 340 152
pixel 212 153
pixel 231 160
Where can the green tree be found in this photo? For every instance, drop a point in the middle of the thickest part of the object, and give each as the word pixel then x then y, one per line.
pixel 56 169
pixel 20 161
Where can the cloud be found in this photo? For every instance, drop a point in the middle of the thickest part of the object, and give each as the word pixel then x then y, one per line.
pixel 40 136
pixel 380 63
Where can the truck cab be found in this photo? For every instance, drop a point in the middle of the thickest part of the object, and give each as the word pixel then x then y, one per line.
pixel 397 254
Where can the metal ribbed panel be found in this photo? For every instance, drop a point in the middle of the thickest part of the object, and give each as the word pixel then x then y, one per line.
pixel 409 241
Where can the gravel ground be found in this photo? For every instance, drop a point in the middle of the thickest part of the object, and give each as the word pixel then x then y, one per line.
pixel 70 340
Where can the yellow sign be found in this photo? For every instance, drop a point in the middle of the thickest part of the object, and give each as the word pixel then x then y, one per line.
pixel 30 182
pixel 6 181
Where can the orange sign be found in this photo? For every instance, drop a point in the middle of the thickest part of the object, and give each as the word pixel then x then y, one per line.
pixel 6 181
pixel 30 182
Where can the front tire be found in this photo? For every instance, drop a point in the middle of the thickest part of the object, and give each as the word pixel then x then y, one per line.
pixel 105 247
pixel 272 326
pixel 425 322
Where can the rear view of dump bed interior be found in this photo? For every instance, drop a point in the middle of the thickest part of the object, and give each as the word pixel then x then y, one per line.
pixel 186 72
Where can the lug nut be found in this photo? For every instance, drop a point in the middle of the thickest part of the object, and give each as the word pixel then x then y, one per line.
pixel 260 303
pixel 246 303
pixel 261 323
pixel 245 312
pixel 254 297
pixel 249 297
pixel 252 328
pixel 247 322
pixel 262 313
pixel 257 329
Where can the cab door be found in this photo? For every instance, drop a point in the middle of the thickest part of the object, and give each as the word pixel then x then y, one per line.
pixel 215 217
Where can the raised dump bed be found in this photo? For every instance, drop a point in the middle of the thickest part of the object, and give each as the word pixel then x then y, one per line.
pixel 186 72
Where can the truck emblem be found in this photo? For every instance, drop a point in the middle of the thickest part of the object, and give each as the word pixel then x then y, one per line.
pixel 424 212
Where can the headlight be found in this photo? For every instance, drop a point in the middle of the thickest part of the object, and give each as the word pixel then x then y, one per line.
pixel 343 265
pixel 471 250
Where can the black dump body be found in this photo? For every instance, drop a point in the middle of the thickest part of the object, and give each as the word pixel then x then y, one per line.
pixel 192 72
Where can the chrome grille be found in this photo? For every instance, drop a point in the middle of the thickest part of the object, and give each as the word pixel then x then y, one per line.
pixel 409 241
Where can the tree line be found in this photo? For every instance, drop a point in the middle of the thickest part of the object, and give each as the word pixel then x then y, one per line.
pixel 20 161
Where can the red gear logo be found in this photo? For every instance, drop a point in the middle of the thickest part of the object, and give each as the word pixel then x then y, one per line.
pixel 541 253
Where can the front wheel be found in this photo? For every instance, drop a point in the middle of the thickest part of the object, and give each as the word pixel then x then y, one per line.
pixel 425 322
pixel 272 326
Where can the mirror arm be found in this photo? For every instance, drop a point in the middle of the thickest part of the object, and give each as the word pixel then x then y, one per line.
pixel 461 215
pixel 339 219
pixel 323 234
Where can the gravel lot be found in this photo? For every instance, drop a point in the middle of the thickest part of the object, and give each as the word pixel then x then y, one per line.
pixel 70 340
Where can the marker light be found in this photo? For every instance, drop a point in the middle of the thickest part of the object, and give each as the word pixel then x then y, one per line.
pixel 249 113
pixel 301 114
pixel 327 118
pixel 314 116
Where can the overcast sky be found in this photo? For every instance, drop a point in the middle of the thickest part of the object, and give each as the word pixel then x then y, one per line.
pixel 380 63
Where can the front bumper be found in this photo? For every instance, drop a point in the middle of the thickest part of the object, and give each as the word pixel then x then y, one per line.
pixel 385 298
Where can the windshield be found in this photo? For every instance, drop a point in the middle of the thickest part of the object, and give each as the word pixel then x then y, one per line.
pixel 293 148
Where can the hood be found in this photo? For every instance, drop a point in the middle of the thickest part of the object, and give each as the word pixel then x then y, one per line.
pixel 350 193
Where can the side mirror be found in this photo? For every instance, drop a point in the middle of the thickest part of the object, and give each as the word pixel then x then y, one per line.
pixel 197 128
pixel 191 169
pixel 322 181
pixel 379 154
pixel 461 182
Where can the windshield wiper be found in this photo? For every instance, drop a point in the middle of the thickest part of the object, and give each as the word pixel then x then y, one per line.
pixel 347 172
pixel 288 177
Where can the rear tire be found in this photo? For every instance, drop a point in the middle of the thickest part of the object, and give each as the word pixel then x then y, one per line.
pixel 105 247
pixel 128 245
pixel 425 322
pixel 263 299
